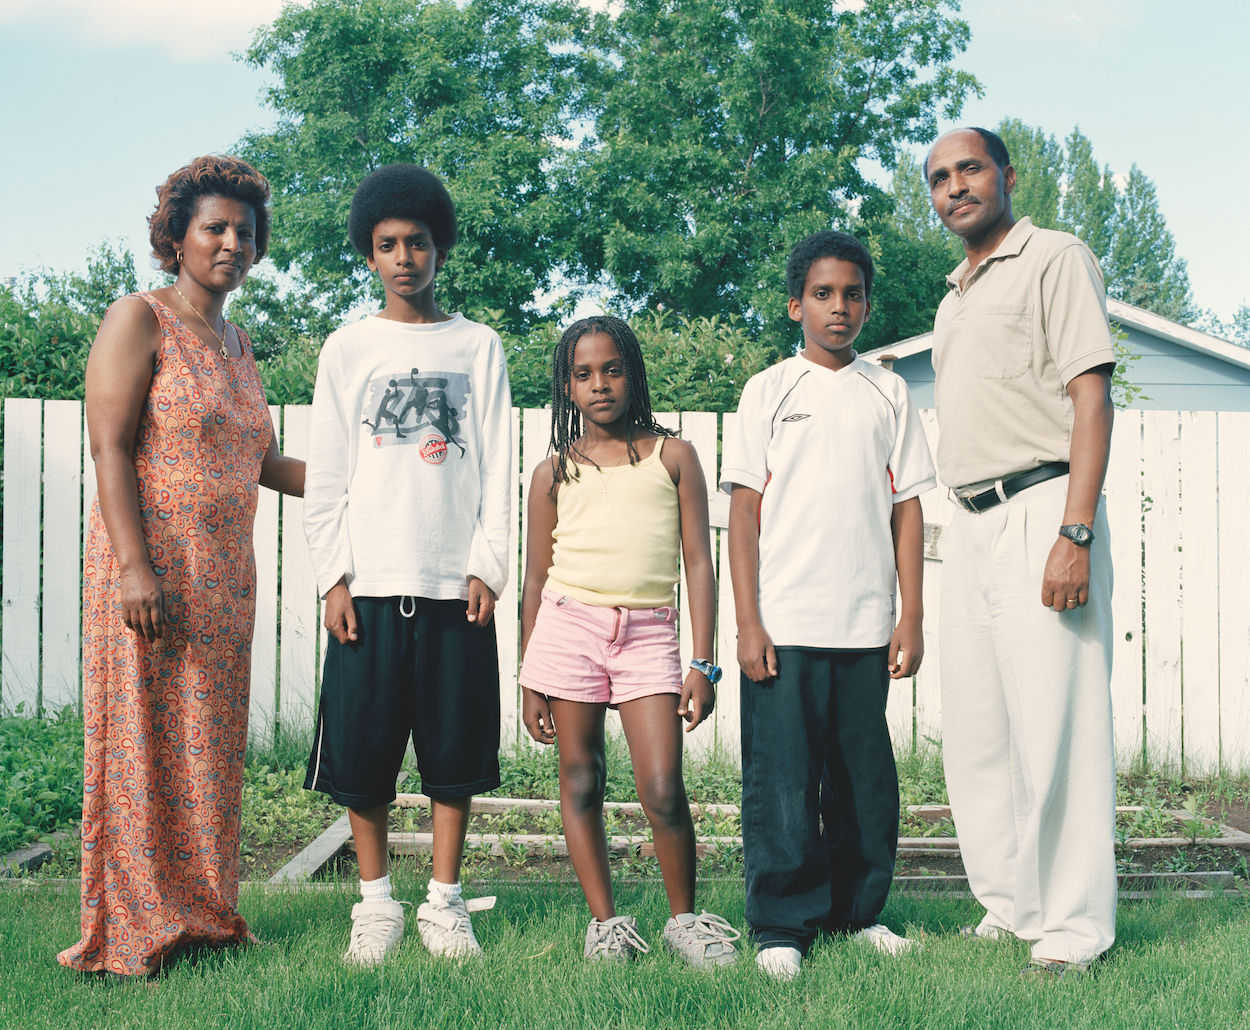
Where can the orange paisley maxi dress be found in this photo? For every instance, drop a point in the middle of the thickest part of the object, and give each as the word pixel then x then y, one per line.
pixel 166 722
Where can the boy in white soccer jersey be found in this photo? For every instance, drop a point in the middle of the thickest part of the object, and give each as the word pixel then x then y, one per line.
pixel 825 464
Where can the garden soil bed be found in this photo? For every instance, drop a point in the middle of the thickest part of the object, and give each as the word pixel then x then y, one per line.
pixel 259 862
pixel 531 846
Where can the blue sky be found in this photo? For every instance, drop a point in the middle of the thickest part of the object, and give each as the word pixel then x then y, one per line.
pixel 100 101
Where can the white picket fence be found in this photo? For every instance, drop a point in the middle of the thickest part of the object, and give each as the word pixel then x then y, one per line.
pixel 1178 494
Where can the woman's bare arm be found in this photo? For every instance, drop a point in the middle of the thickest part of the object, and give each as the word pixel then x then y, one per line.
pixel 119 375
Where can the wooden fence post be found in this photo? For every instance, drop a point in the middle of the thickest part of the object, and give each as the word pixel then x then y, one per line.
pixel 19 659
pixel 1183 476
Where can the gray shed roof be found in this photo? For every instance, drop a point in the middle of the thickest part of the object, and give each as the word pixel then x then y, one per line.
pixel 1178 367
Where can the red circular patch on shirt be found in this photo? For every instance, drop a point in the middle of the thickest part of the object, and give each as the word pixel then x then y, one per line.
pixel 434 449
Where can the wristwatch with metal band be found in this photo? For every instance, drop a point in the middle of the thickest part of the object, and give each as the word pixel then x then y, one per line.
pixel 712 672
pixel 1080 534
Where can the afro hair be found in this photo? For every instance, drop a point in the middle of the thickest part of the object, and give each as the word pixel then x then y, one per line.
pixel 823 244
pixel 401 191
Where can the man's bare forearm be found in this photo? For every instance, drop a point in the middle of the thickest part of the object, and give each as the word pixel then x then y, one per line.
pixel 1093 417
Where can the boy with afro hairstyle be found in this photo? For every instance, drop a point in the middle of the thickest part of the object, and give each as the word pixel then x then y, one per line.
pixel 406 511
pixel 825 465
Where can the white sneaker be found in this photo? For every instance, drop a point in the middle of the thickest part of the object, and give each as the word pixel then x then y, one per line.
pixel 613 940
pixel 377 929
pixel 702 940
pixel 886 940
pixel 780 963
pixel 985 932
pixel 445 928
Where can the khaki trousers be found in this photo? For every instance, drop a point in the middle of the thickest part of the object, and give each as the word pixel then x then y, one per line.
pixel 1026 727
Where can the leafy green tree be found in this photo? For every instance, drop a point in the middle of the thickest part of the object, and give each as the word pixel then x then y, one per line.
pixel 1141 265
pixel 913 254
pixel 482 94
pixel 1089 205
pixel 1039 164
pixel 277 319
pixel 730 129
pixel 1235 331
pixel 1123 227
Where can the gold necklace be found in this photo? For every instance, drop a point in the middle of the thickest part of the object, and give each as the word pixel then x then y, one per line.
pixel 605 477
pixel 220 339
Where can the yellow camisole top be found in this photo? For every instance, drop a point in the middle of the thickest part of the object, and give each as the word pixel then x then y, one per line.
pixel 618 531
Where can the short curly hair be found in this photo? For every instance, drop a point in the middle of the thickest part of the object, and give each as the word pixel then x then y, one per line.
pixel 823 244
pixel 215 175
pixel 401 191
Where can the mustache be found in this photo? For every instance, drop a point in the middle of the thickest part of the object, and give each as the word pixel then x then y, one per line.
pixel 950 208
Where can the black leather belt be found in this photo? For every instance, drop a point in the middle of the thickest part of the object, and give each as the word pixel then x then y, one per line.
pixel 1012 485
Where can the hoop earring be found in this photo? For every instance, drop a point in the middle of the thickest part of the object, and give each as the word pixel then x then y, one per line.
pixel 178 256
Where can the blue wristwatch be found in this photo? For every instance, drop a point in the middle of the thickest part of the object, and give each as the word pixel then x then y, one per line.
pixel 712 672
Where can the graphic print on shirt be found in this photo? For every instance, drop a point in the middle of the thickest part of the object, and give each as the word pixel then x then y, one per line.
pixel 422 408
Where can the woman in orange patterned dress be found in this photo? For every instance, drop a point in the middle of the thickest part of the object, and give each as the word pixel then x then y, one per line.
pixel 180 436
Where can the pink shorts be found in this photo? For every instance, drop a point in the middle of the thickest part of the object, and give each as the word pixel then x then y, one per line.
pixel 584 652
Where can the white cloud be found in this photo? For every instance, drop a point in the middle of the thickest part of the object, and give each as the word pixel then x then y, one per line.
pixel 189 29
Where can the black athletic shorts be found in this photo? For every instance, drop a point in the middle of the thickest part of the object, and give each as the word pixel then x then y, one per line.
pixel 432 674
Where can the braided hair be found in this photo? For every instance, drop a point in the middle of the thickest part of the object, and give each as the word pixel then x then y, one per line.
pixel 566 419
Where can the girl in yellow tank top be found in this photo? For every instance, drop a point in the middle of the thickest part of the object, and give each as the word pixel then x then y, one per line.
pixel 607 513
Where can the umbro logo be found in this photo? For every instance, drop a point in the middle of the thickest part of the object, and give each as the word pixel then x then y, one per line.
pixel 795 418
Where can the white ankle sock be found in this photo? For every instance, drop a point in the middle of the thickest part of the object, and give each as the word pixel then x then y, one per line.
pixel 443 891
pixel 376 890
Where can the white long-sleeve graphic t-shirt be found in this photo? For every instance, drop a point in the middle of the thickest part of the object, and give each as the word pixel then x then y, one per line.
pixel 409 459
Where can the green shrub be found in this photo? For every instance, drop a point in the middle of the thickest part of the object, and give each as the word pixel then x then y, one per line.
pixel 43 350
pixel 41 778
pixel 698 364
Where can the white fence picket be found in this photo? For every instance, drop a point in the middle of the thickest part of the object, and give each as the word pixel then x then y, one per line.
pixel 1191 468
pixel 1234 587
pixel 672 420
pixel 1200 616
pixel 62 564
pixel 1124 514
pixel 925 717
pixel 19 660
pixel 88 480
pixel 535 439
pixel 264 699
pixel 1161 485
pixel 508 606
pixel 300 624
pixel 728 721
pixel 698 428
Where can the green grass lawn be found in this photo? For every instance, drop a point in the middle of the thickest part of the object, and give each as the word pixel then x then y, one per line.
pixel 1177 963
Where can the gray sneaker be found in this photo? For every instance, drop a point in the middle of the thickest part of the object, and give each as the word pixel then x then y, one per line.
pixel 886 940
pixel 377 929
pixel 445 928
pixel 613 940
pixel 702 940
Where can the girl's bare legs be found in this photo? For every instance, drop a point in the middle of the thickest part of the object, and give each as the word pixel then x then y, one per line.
pixel 583 780
pixel 653 730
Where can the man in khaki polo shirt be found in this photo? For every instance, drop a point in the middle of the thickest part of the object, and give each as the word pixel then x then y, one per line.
pixel 1023 355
